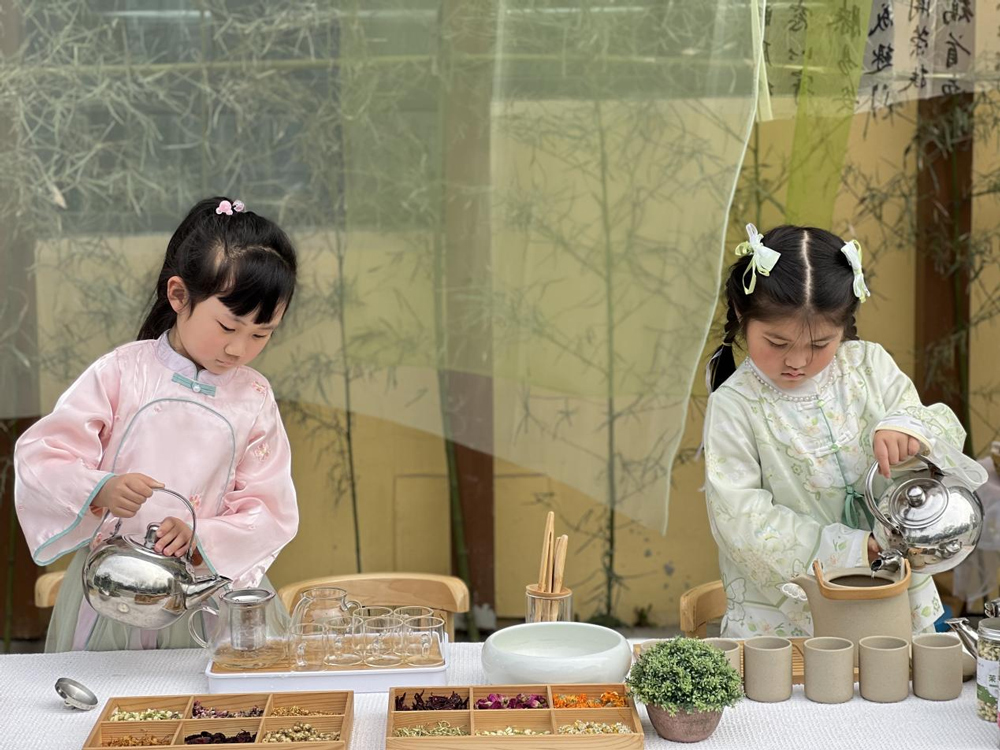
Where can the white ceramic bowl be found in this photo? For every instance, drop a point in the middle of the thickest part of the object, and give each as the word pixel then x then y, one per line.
pixel 555 653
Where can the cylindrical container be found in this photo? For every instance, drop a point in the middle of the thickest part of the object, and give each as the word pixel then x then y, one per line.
pixel 937 666
pixel 988 669
pixel 829 667
pixel 540 606
pixel 730 648
pixel 767 669
pixel 247 622
pixel 884 667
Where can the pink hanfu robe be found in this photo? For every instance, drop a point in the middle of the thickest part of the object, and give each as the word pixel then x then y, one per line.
pixel 217 440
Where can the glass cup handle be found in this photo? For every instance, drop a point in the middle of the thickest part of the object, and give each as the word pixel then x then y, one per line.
pixel 351 605
pixel 194 634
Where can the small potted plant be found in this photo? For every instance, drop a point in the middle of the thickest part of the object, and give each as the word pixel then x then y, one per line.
pixel 685 685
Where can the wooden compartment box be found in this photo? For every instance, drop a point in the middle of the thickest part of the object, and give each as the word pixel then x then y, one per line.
pixel 474 720
pixel 331 712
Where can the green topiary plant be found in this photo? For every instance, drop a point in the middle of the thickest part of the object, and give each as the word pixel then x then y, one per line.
pixel 685 674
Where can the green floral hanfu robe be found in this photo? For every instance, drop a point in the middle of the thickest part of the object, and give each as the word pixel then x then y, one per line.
pixel 784 480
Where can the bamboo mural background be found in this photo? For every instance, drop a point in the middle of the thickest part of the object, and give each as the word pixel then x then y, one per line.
pixel 512 218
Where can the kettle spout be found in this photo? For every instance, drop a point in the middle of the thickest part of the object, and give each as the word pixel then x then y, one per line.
pixel 202 588
pixel 888 560
pixel 968 636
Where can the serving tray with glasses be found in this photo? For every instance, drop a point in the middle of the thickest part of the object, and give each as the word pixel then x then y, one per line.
pixel 332 643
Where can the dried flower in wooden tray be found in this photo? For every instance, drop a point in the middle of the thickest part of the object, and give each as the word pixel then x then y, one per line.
pixel 511 732
pixel 521 700
pixel 146 740
pixel 453 702
pixel 595 727
pixel 148 714
pixel 198 711
pixel 218 738
pixel 441 729
pixel 608 699
pixel 300 732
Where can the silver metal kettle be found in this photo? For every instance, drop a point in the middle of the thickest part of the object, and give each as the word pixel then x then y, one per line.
pixel 125 579
pixel 931 518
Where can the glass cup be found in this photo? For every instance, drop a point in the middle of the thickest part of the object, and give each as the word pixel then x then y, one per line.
pixel 382 641
pixel 424 641
pixel 345 640
pixel 405 612
pixel 367 613
pixel 307 643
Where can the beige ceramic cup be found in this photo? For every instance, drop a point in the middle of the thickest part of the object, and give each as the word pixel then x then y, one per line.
pixel 767 669
pixel 937 666
pixel 829 666
pixel 884 664
pixel 730 648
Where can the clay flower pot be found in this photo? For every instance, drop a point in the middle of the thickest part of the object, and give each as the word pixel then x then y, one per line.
pixel 684 726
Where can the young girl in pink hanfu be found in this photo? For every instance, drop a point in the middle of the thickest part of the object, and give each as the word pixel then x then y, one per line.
pixel 178 408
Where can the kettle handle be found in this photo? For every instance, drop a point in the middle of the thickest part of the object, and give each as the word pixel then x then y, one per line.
pixel 204 607
pixel 870 495
pixel 194 519
pixel 872 505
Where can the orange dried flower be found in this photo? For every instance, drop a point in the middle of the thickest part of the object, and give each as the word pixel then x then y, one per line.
pixel 609 698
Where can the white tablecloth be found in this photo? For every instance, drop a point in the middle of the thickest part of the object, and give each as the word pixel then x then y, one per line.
pixel 33 717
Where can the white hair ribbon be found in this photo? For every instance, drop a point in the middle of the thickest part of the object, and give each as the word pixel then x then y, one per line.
pixel 763 259
pixel 852 250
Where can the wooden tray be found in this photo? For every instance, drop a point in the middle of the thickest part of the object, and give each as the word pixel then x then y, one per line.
pixel 798 661
pixel 336 707
pixel 539 719
pixel 286 666
pixel 358 678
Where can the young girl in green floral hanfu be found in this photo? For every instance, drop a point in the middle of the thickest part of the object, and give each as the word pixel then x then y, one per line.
pixel 791 432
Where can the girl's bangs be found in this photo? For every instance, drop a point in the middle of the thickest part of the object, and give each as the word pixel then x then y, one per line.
pixel 256 281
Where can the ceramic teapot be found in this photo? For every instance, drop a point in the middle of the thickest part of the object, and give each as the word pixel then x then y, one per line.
pixel 856 602
pixel 932 519
pixel 125 579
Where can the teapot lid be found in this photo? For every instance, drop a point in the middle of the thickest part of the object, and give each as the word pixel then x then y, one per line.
pixel 147 541
pixel 248 597
pixel 918 503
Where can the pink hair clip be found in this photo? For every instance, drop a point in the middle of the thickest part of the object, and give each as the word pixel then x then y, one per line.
pixel 227 208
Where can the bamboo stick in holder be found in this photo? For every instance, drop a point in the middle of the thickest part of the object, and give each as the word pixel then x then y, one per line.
pixel 547 600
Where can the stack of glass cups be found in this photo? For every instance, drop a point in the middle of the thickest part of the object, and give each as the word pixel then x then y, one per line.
pixel 325 634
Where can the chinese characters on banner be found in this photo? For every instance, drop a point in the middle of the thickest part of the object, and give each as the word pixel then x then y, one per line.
pixel 915 49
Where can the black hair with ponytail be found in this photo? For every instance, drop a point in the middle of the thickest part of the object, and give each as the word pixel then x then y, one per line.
pixel 244 258
pixel 811 278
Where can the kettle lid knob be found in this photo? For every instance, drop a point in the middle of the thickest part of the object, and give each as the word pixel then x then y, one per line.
pixel 150 541
pixel 915 496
